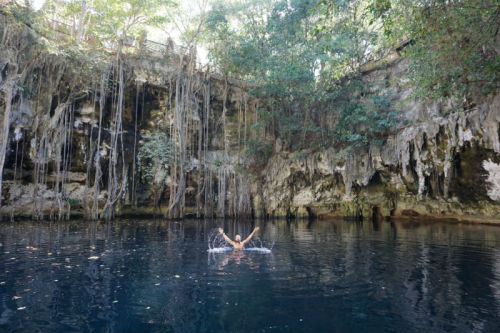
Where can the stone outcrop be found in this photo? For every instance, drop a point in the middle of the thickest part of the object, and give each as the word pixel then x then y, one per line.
pixel 444 163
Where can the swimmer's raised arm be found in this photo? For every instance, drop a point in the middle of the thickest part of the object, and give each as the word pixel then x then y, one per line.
pixel 221 231
pixel 251 235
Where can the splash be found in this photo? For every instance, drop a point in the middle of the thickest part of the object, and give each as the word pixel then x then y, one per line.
pixel 262 247
pixel 219 249
pixel 263 250
pixel 217 244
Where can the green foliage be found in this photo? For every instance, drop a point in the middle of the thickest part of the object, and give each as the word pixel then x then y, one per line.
pixel 366 115
pixel 305 56
pixel 258 152
pixel 21 14
pixel 84 34
pixel 453 45
pixel 103 23
pixel 297 52
pixel 345 34
pixel 154 158
pixel 74 203
pixel 240 169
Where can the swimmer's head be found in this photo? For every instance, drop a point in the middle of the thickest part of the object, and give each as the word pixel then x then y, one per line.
pixel 237 238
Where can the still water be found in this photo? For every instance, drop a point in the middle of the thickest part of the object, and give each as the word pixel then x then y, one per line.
pixel 321 276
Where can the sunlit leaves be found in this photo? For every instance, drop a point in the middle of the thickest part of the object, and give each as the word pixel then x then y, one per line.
pixel 453 43
pixel 106 21
pixel 295 52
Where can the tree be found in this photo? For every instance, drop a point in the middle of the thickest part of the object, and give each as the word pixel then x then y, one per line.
pixel 104 22
pixel 299 54
pixel 453 44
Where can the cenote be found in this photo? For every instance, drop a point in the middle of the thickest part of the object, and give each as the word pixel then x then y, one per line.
pixel 321 276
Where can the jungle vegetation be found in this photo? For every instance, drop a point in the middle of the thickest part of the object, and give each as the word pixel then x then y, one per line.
pixel 303 59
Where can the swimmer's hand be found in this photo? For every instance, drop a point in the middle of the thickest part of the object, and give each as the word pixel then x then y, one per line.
pixel 250 236
pixel 221 231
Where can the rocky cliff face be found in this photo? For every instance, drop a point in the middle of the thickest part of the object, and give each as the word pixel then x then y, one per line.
pixel 219 116
pixel 444 163
pixel 72 128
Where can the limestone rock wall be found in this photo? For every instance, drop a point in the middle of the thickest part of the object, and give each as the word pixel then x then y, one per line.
pixel 148 103
pixel 444 163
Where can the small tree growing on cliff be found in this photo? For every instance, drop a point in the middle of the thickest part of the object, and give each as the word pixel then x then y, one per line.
pixel 154 159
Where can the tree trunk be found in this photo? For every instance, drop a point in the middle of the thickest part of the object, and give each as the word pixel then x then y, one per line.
pixel 80 32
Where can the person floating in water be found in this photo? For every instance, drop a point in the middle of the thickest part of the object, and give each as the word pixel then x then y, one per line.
pixel 237 243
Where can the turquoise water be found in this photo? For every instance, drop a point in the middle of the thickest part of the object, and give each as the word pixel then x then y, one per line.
pixel 320 276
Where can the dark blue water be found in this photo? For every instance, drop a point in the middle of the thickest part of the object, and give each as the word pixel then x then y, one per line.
pixel 324 276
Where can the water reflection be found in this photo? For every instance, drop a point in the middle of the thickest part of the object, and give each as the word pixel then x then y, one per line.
pixel 322 276
pixel 252 258
pixel 220 260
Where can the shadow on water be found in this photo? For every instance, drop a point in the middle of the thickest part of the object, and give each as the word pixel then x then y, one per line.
pixel 321 276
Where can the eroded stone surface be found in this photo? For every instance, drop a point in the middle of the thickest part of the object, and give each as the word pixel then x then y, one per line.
pixel 438 165
pixel 493 179
pixel 445 162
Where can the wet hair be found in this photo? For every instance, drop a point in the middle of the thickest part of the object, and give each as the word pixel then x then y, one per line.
pixel 237 238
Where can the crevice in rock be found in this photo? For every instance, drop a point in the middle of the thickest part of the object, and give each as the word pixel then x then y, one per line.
pixel 376 179
pixel 377 214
